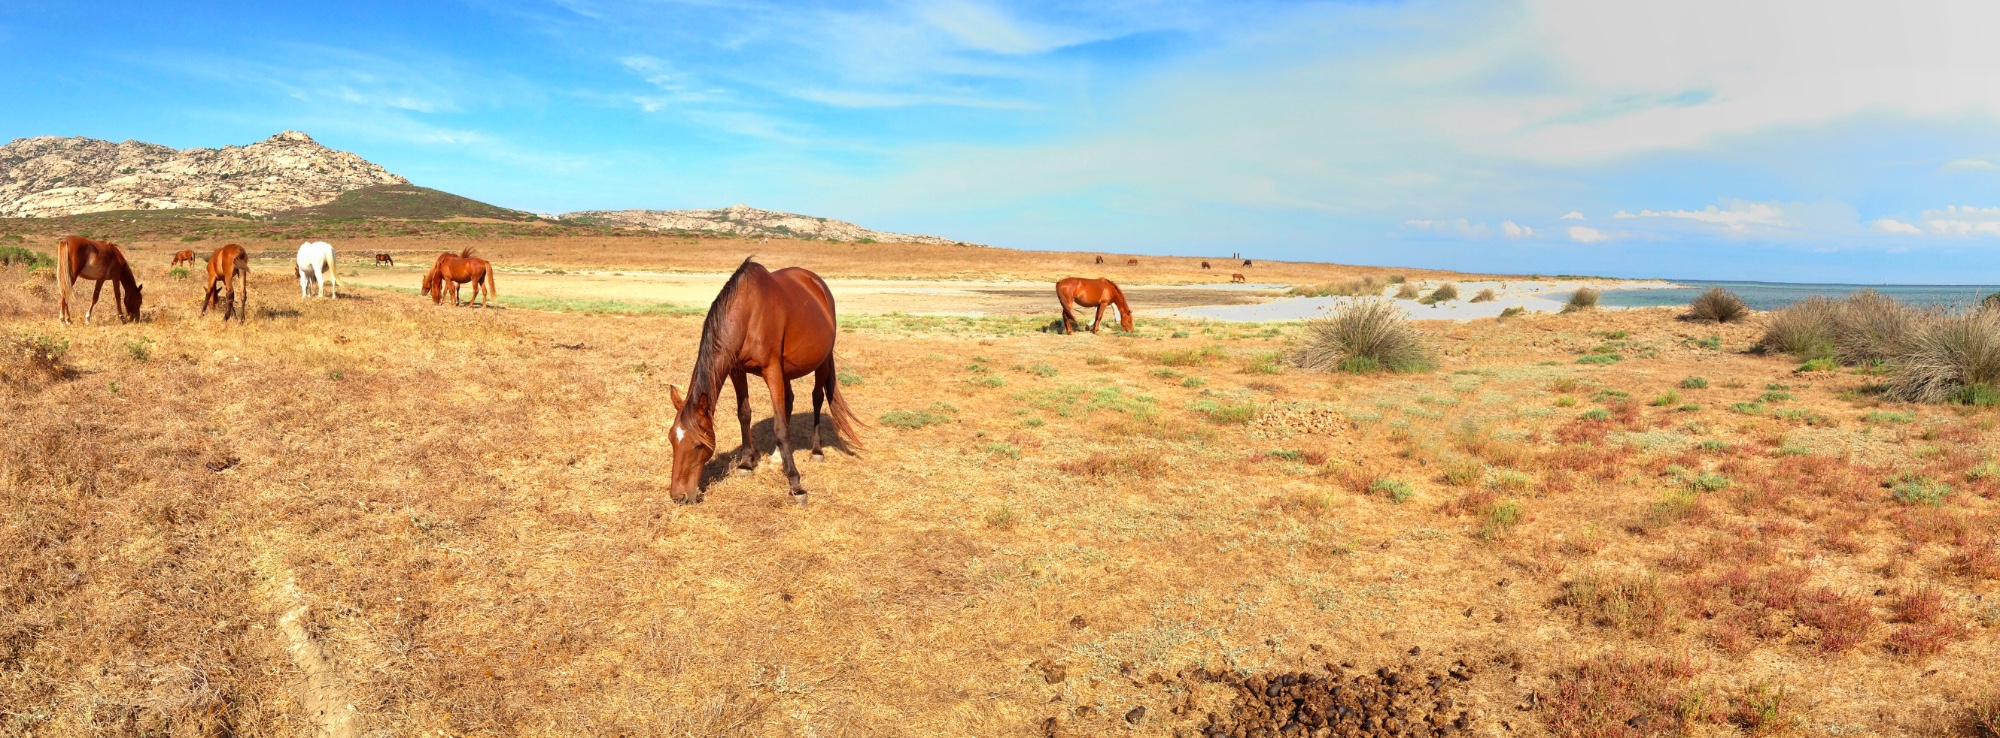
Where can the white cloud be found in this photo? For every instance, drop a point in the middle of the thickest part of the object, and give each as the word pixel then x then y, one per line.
pixel 1738 217
pixel 1891 225
pixel 1962 165
pixel 1514 230
pixel 1959 220
pixel 1573 215
pixel 1584 234
pixel 1461 227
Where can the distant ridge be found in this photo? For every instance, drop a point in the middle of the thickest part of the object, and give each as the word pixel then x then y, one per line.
pixel 744 220
pixel 403 201
pixel 53 176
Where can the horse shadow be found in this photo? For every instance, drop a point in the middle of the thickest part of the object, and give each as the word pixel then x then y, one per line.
pixel 764 442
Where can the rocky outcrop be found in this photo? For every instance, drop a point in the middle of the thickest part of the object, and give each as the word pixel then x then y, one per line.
pixel 744 220
pixel 49 176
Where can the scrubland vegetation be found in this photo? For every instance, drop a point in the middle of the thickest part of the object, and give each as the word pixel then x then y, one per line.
pixel 373 516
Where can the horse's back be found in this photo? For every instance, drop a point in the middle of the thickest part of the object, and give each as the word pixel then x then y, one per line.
pixel 801 288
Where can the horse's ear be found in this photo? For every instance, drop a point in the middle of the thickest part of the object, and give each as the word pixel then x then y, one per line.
pixel 674 393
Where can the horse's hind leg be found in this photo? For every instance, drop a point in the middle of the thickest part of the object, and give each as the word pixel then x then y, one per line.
pixel 822 384
pixel 781 406
pixel 746 455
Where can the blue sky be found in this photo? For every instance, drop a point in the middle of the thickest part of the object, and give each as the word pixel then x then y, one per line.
pixel 1784 141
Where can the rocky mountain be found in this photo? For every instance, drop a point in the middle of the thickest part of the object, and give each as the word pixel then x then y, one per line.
pixel 744 220
pixel 48 176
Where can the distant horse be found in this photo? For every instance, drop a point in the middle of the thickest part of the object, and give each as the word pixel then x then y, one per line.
pixel 1097 293
pixel 79 257
pixel 780 325
pixel 1131 262
pixel 182 256
pixel 451 270
pixel 228 263
pixel 1246 262
pixel 384 258
pixel 316 266
pixel 1237 277
pixel 1204 265
pixel 1100 260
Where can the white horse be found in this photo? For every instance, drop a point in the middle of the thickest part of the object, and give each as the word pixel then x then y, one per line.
pixel 315 266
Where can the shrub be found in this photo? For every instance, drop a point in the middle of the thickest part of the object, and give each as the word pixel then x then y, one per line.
pixel 1694 383
pixel 1565 401
pixel 1190 357
pixel 1485 295
pixel 11 255
pixel 1596 414
pixel 1775 396
pixel 1817 365
pixel 1397 279
pixel 1361 337
pixel 1888 416
pixel 847 378
pixel 1365 286
pixel 1406 292
pixel 1396 490
pixel 141 349
pixel 1225 412
pixel 1917 489
pixel 33 358
pixel 1978 395
pixel 1874 327
pixel 1804 329
pixel 913 419
pixel 1512 311
pixel 1265 363
pixel 1641 606
pixel 1947 358
pixel 1584 298
pixel 1600 359
pixel 1718 305
pixel 1747 408
pixel 1499 519
pixel 1444 293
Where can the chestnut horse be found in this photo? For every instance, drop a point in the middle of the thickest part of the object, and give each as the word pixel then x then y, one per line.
pixel 384 258
pixel 1204 265
pixel 1096 293
pixel 457 269
pixel 1237 277
pixel 1131 262
pixel 781 326
pixel 228 263
pixel 182 256
pixel 79 257
pixel 1100 260
pixel 1246 262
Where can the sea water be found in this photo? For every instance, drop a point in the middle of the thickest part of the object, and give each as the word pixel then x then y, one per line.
pixel 1774 295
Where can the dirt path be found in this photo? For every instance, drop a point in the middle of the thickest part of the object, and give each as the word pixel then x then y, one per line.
pixel 321 695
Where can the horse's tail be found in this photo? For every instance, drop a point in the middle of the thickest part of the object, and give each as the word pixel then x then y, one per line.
pixel 64 264
pixel 846 425
pixel 489 281
pixel 465 253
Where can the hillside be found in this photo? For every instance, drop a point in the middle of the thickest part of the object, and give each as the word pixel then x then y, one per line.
pixel 743 220
pixel 402 201
pixel 49 176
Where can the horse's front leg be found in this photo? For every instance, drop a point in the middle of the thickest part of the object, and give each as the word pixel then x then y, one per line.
pixel 746 454
pixel 1099 320
pixel 781 410
pixel 94 294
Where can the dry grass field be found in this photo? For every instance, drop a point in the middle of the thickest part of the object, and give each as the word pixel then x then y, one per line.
pixel 375 516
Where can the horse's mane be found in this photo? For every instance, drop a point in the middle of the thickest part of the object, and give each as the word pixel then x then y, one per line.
pixel 719 335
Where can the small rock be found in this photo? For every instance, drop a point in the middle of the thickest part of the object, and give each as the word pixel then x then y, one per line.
pixel 1137 714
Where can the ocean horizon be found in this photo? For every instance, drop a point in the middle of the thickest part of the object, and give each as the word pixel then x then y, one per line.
pixel 1775 295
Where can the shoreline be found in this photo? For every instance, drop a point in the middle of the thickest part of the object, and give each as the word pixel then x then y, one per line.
pixel 1535 296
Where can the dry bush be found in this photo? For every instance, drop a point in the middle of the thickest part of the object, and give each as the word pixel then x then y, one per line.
pixel 1584 298
pixel 1617 694
pixel 1805 329
pixel 1102 465
pixel 1407 292
pixel 1444 293
pixel 1361 287
pixel 1718 305
pixel 1950 358
pixel 1873 327
pixel 1485 295
pixel 1362 337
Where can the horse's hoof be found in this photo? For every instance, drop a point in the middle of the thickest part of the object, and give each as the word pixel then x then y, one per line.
pixel 817 456
pixel 799 496
pixel 744 471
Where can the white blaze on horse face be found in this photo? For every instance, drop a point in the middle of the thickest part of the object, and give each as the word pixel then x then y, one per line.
pixel 680 434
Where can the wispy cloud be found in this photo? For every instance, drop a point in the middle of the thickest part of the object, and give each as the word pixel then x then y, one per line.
pixel 1513 230
pixel 1956 220
pixel 1586 234
pixel 1573 215
pixel 1891 225
pixel 1738 217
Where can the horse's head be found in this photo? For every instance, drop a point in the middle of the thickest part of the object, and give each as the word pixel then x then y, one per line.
pixel 693 437
pixel 1124 318
pixel 133 298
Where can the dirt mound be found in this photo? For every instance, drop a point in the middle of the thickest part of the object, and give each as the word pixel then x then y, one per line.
pixel 1400 701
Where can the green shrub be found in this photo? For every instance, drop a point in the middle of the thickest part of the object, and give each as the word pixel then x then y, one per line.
pixel 1265 363
pixel 1718 305
pixel 1584 298
pixel 1747 408
pixel 1775 396
pixel 141 349
pixel 1917 489
pixel 1042 370
pixel 1873 327
pixel 1600 359
pixel 1670 398
pixel 1498 519
pixel 1714 445
pixel 1395 489
pixel 1694 383
pixel 986 380
pixel 1951 358
pixel 1709 482
pixel 11 255
pixel 913 419
pixel 1225 412
pixel 1596 413
pixel 1190 357
pixel 1888 416
pixel 1688 408
pixel 1565 401
pixel 1193 382
pixel 848 379
pixel 1363 336
pixel 1817 365
pixel 1444 293
pixel 178 272
pixel 1008 450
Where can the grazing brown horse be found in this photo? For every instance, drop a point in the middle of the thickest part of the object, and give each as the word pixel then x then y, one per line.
pixel 780 325
pixel 1246 262
pixel 1131 262
pixel 457 269
pixel 384 258
pixel 1097 293
pixel 1100 260
pixel 1237 277
pixel 79 257
pixel 1204 265
pixel 182 256
pixel 224 266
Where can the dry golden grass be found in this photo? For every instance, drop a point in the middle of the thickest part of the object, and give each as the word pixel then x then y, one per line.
pixel 456 524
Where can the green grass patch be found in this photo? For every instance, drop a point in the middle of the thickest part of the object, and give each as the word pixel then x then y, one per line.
pixel 1747 408
pixel 1917 489
pixel 1600 359
pixel 1395 489
pixel 1597 413
pixel 1887 417
pixel 1225 412
pixel 1669 399
pixel 1775 396
pixel 1818 365
pixel 1694 383
pixel 913 419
